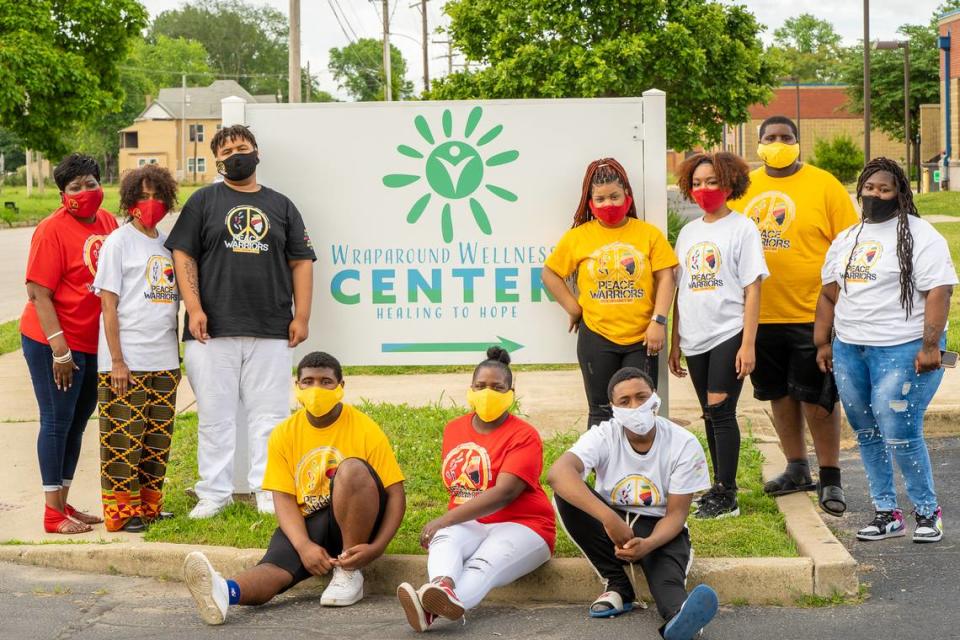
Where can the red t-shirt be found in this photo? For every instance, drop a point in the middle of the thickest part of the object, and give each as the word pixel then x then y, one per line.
pixel 472 461
pixel 63 258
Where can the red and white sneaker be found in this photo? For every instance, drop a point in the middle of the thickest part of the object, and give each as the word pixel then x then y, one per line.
pixel 440 600
pixel 418 618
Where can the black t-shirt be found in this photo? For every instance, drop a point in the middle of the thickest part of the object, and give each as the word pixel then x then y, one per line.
pixel 242 242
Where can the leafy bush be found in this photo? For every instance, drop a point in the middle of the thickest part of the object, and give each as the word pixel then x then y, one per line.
pixel 675 222
pixel 840 156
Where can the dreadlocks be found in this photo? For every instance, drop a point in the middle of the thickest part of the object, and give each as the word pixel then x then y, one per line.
pixel 600 172
pixel 904 237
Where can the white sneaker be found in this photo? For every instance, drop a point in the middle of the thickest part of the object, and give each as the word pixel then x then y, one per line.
pixel 207 587
pixel 345 588
pixel 208 508
pixel 265 502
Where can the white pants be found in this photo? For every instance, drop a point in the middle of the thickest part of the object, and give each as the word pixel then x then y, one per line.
pixel 227 373
pixel 480 557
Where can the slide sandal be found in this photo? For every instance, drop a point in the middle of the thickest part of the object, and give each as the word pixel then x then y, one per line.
pixel 608 605
pixel 783 485
pixel 831 499
pixel 698 610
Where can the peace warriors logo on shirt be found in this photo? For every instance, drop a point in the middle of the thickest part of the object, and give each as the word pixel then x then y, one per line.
pixel 635 490
pixel 773 213
pixel 466 471
pixel 861 260
pixel 91 252
pixel 161 280
pixel 313 475
pixel 703 264
pixel 248 226
pixel 616 268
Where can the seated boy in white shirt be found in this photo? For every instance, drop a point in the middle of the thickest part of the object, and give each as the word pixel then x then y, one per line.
pixel 647 470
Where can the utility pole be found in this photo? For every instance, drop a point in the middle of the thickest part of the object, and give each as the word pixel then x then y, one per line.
pixel 293 66
pixel 424 36
pixel 866 81
pixel 183 127
pixel 309 83
pixel 387 79
pixel 28 155
pixel 449 55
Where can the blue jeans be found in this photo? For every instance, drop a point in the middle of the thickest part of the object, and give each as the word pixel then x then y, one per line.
pixel 885 399
pixel 63 414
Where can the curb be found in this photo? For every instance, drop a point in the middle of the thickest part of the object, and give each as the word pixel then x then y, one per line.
pixel 834 569
pixel 561 580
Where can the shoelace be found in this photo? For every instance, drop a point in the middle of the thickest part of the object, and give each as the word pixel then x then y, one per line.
pixel 881 519
pixel 341 578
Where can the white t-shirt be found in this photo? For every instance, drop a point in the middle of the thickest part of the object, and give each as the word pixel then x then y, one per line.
pixel 639 483
pixel 139 270
pixel 717 261
pixel 868 312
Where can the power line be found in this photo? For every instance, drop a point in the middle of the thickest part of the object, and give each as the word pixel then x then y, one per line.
pixel 216 74
pixel 335 15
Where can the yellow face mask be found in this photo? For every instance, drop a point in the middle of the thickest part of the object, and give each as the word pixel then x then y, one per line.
pixel 778 155
pixel 490 404
pixel 319 401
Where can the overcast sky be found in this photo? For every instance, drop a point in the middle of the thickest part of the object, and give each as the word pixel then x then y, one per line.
pixel 320 29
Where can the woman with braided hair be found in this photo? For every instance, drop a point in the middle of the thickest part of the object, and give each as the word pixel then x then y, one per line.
pixel 625 282
pixel 887 283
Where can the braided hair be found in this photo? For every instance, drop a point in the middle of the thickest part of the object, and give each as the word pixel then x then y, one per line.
pixel 904 237
pixel 600 172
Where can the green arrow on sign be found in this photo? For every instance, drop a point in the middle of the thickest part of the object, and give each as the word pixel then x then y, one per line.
pixel 445 347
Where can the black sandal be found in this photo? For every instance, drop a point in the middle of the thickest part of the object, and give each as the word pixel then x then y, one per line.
pixel 831 499
pixel 783 485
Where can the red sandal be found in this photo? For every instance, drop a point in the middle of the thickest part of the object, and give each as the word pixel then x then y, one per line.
pixel 85 518
pixel 58 522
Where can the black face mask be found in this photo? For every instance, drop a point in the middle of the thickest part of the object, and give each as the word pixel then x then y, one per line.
pixel 239 166
pixel 878 210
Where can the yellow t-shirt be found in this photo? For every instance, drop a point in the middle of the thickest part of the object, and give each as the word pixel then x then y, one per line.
pixel 798 216
pixel 301 458
pixel 614 274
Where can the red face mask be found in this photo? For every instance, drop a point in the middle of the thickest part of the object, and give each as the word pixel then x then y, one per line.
pixel 149 212
pixel 611 214
pixel 710 199
pixel 84 204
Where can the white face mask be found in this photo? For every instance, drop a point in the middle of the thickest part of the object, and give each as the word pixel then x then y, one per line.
pixel 639 420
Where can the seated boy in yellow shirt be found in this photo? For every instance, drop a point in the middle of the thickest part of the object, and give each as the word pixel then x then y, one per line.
pixel 339 498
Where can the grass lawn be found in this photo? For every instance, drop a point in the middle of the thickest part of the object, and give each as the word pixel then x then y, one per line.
pixel 951 231
pixel 37 207
pixel 416 436
pixel 403 370
pixel 944 203
pixel 9 336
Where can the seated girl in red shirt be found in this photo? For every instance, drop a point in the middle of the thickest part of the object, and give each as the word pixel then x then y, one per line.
pixel 499 525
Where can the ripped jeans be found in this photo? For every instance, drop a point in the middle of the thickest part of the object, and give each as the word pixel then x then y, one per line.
pixel 885 400
pixel 480 557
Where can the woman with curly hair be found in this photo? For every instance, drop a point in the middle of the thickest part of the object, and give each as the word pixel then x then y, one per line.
pixel 139 357
pixel 717 311
pixel 624 277
pixel 887 283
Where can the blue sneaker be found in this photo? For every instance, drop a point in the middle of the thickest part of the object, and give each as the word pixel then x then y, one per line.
pixel 696 613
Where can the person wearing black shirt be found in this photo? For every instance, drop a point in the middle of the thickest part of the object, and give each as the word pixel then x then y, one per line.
pixel 244 262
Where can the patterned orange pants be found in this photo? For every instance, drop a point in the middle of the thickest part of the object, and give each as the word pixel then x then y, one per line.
pixel 135 434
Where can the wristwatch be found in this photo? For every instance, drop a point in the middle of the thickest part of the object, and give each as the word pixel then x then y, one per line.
pixel 659 319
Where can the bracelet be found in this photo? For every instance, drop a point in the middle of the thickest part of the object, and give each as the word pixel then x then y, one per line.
pixel 51 337
pixel 64 359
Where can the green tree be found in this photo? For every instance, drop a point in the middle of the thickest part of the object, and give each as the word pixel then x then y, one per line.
pixel 706 55
pixel 12 149
pixel 886 80
pixel 840 156
pixel 247 43
pixel 58 65
pixel 358 67
pixel 146 69
pixel 807 48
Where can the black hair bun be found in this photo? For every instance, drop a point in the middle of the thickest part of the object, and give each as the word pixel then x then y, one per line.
pixel 498 354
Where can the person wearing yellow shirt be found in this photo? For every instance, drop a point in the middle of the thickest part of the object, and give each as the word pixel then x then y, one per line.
pixel 625 282
pixel 339 498
pixel 799 210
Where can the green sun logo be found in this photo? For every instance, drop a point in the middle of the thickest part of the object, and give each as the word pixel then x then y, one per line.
pixel 455 170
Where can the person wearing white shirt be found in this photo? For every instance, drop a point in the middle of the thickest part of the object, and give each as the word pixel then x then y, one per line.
pixel 886 293
pixel 717 311
pixel 138 354
pixel 647 470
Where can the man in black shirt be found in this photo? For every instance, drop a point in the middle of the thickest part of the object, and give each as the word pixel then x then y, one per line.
pixel 244 263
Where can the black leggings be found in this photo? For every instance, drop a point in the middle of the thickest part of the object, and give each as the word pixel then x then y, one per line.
pixel 715 371
pixel 599 359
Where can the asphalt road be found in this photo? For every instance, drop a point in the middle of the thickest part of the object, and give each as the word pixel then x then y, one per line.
pixel 912 594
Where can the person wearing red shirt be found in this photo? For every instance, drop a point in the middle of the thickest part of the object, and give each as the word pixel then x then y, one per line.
pixel 60 328
pixel 499 525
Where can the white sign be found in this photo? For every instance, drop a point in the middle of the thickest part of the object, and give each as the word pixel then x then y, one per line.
pixel 431 220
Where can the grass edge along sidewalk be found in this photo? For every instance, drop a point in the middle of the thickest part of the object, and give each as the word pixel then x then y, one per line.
pixel 415 433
